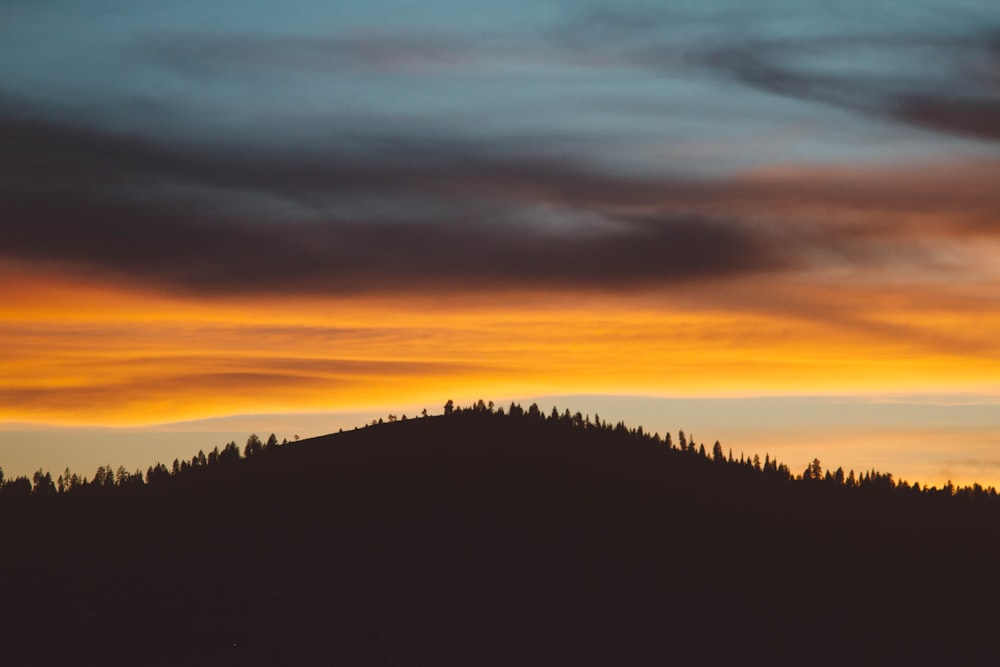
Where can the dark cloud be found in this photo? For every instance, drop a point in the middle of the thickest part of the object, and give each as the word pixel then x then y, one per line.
pixel 958 103
pixel 967 116
pixel 382 214
pixel 944 81
pixel 185 249
pixel 179 216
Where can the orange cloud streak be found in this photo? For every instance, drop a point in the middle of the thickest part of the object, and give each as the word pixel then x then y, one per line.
pixel 100 354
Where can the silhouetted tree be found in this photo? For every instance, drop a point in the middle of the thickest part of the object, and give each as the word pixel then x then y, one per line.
pixel 157 473
pixel 717 454
pixel 230 453
pixel 104 477
pixel 253 446
pixel 42 484
pixel 449 407
pixel 19 487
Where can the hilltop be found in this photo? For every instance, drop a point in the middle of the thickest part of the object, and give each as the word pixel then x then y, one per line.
pixel 479 538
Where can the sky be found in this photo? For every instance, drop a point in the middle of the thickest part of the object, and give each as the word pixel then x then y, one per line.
pixel 776 223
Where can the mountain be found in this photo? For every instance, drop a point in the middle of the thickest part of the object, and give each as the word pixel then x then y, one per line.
pixel 479 538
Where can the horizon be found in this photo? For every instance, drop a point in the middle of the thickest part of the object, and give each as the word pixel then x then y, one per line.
pixel 914 440
pixel 781 218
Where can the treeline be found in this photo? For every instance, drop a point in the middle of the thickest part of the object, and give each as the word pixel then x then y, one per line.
pixel 43 484
pixel 768 468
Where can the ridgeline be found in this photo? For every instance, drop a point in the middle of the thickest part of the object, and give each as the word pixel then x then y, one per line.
pixel 492 537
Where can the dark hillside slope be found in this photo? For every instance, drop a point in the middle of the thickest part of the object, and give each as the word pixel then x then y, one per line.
pixel 477 539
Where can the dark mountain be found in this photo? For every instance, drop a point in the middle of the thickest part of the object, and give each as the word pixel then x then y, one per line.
pixel 481 539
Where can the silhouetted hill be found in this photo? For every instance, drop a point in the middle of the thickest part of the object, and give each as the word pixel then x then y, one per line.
pixel 479 539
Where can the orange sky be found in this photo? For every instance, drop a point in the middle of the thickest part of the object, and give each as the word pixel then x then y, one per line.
pixel 97 355
pixel 323 214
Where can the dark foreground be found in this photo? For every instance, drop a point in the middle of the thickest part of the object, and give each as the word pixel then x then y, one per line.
pixel 479 540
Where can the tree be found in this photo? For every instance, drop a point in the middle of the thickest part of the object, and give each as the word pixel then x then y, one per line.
pixel 272 442
pixel 253 446
pixel 717 454
pixel 105 476
pixel 18 487
pixel 449 407
pixel 230 453
pixel 42 484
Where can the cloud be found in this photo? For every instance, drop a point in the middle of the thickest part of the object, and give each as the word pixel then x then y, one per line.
pixel 942 78
pixel 950 97
pixel 969 116
pixel 365 53
pixel 376 214
pixel 209 220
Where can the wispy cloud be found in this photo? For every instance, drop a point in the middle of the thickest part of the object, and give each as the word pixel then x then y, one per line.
pixel 452 216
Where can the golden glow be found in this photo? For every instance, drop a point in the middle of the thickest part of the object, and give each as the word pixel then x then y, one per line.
pixel 105 355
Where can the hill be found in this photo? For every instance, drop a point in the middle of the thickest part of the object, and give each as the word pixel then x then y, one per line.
pixel 486 539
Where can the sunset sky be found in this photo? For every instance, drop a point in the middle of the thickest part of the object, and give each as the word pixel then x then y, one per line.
pixel 776 223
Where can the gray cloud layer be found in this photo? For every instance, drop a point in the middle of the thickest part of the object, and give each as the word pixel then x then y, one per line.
pixel 124 205
pixel 357 212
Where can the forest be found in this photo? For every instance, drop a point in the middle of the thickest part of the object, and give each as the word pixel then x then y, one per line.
pixel 495 536
pixel 106 477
